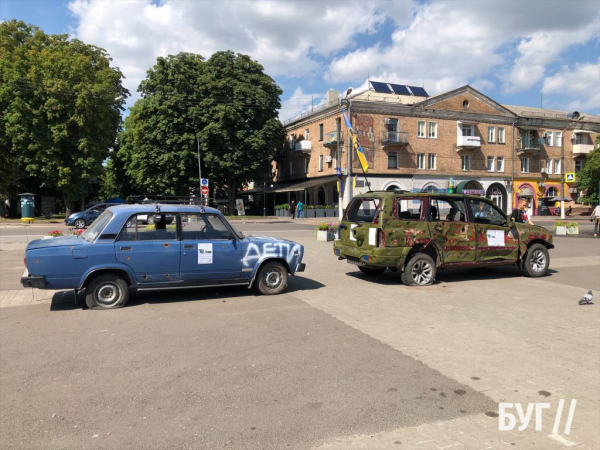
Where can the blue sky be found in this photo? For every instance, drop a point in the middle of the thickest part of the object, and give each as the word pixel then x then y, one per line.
pixel 510 50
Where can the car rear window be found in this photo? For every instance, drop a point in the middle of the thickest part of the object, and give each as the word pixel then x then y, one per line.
pixel 97 226
pixel 362 209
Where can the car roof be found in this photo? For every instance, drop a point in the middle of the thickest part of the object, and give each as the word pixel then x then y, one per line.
pixel 167 208
pixel 385 194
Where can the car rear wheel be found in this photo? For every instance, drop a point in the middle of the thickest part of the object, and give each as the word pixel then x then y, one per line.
pixel 420 270
pixel 272 278
pixel 536 261
pixel 80 223
pixel 372 270
pixel 107 291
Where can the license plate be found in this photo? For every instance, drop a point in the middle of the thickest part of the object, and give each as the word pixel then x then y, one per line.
pixel 356 263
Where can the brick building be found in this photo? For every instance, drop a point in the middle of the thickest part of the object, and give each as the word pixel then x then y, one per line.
pixel 461 138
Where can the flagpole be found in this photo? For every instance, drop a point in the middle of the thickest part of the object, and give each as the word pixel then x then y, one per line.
pixel 357 147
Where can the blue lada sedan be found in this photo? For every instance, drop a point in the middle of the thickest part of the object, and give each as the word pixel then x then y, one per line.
pixel 184 247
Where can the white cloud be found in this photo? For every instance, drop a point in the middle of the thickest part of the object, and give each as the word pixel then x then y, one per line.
pixel 577 87
pixel 298 103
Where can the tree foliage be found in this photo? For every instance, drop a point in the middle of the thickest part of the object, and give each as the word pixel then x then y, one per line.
pixel 589 177
pixel 227 105
pixel 60 109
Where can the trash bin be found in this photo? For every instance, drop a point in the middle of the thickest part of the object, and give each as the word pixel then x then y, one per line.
pixel 27 207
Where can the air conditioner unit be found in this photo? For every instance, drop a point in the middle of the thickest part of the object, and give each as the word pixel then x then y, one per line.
pixel 328 159
pixel 387 121
pixel 543 170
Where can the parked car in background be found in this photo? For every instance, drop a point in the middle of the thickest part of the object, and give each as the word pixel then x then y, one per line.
pixel 419 233
pixel 84 218
pixel 197 248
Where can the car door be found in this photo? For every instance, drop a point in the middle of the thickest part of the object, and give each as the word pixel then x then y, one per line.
pixel 451 230
pixel 210 250
pixel 152 251
pixel 495 241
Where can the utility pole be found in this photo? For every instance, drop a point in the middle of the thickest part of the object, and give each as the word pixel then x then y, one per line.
pixel 199 174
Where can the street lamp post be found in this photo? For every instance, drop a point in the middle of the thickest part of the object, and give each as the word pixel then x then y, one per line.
pixel 576 118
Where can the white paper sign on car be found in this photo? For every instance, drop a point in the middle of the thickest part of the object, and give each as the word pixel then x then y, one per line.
pixel 205 253
pixel 495 238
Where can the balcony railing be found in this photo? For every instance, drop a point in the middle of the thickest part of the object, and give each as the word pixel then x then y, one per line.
pixel 528 146
pixel 394 138
pixel 582 149
pixel 331 139
pixel 464 142
pixel 303 146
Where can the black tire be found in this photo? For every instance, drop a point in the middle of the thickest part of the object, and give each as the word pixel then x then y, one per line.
pixel 108 291
pixel 272 279
pixel 420 270
pixel 536 261
pixel 372 270
pixel 80 224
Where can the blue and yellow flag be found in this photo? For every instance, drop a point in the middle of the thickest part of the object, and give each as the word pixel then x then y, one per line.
pixel 360 153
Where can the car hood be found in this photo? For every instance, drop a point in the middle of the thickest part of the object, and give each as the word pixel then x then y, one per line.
pixel 265 239
pixel 534 231
pixel 56 242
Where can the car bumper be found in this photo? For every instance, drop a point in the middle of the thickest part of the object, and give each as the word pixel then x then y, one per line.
pixel 30 281
pixel 300 267
pixel 376 257
pixel 69 222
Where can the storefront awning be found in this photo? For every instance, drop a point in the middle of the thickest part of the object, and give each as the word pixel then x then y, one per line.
pixel 526 191
pixel 291 186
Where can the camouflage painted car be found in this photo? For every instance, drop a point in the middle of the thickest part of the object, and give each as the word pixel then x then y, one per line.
pixel 419 233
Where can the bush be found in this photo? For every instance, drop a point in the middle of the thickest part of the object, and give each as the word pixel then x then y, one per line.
pixel 559 223
pixel 325 227
pixel 310 207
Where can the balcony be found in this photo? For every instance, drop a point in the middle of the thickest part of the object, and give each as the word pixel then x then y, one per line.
pixel 528 147
pixel 303 146
pixel 467 142
pixel 394 138
pixel 582 149
pixel 331 139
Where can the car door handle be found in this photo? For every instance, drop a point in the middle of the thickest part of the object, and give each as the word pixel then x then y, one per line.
pixel 125 248
pixel 189 247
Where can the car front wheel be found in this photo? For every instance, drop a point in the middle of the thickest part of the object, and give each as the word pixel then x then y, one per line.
pixel 536 261
pixel 80 223
pixel 107 292
pixel 420 270
pixel 272 278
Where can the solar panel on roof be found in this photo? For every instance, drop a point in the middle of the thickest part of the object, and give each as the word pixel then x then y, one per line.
pixel 380 87
pixel 400 89
pixel 418 91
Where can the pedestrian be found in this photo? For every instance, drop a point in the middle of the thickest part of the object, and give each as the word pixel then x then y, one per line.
pixel 595 217
pixel 293 209
pixel 300 208
pixel 520 214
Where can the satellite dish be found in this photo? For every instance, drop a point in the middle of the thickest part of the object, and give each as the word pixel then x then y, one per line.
pixel 541 141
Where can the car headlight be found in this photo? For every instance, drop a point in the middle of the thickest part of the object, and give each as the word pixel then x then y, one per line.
pixel 71 216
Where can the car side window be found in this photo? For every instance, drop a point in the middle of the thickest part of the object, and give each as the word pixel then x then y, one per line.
pixel 197 227
pixel 408 208
pixel 163 228
pixel 484 212
pixel 447 210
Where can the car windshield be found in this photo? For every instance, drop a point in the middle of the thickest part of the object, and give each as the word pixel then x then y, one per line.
pixel 362 209
pixel 97 226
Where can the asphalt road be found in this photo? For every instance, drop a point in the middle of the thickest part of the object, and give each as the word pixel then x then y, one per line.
pixel 227 368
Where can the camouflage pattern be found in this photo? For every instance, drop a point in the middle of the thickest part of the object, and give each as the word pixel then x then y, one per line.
pixel 462 243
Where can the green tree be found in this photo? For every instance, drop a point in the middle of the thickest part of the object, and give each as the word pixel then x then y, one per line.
pixel 589 177
pixel 227 105
pixel 60 109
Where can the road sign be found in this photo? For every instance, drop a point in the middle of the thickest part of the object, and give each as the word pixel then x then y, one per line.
pixel 204 182
pixel 570 177
pixel 204 190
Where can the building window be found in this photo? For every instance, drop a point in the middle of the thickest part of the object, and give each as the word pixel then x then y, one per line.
pixel 548 165
pixel 500 164
pixel 466 104
pixel 392 160
pixel 579 165
pixel 501 136
pixel 431 161
pixel 525 165
pixel 490 163
pixel 433 130
pixel 320 132
pixel 306 165
pixel 292 168
pixel 548 138
pixel 320 163
pixel 491 134
pixel 467 130
pixel 391 124
pixel 557 166
pixel 421 129
pixel 558 139
pixel 420 160
pixel 306 134
pixel 466 162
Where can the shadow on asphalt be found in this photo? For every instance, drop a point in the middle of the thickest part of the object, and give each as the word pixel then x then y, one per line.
pixel 64 300
pixel 448 275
